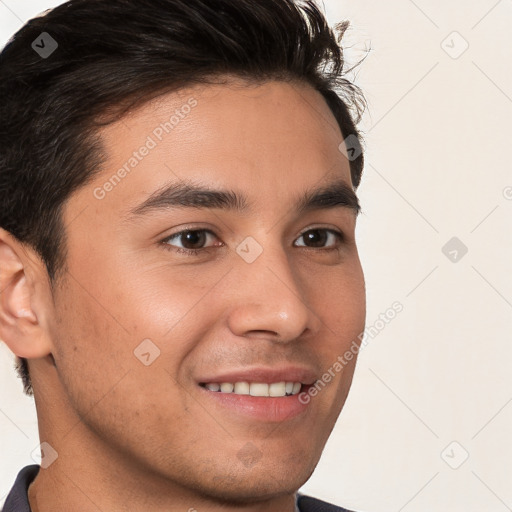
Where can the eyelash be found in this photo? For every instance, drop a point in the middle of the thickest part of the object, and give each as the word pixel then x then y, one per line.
pixel 194 252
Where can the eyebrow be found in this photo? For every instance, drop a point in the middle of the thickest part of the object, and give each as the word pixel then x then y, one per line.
pixel 188 195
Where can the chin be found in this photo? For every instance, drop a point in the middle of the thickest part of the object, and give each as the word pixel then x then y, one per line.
pixel 242 490
pixel 259 483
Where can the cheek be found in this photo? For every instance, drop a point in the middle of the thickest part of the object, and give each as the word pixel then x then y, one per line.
pixel 106 383
pixel 342 300
pixel 91 348
pixel 154 298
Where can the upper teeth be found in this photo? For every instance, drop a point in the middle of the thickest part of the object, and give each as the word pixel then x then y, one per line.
pixel 256 388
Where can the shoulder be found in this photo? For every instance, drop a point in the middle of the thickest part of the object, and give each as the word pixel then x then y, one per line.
pixel 310 504
pixel 17 499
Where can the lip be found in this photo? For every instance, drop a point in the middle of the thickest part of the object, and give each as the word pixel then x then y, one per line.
pixel 261 374
pixel 260 408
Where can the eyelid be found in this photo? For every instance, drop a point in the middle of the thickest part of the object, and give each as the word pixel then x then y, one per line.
pixel 331 229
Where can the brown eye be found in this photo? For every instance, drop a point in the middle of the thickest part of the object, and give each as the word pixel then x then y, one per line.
pixel 192 240
pixel 317 238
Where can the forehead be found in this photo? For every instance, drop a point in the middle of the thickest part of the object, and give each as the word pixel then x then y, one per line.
pixel 273 140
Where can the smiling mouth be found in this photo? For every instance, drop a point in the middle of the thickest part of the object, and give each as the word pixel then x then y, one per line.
pixel 264 389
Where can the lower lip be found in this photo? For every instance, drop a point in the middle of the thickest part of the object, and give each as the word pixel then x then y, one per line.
pixel 262 408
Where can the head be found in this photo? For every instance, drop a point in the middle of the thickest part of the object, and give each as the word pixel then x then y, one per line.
pixel 103 144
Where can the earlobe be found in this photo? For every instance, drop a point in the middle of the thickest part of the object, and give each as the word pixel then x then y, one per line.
pixel 20 324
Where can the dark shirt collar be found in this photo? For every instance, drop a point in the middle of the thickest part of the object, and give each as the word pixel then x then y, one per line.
pixel 17 499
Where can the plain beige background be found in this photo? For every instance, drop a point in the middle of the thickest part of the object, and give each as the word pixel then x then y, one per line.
pixel 426 426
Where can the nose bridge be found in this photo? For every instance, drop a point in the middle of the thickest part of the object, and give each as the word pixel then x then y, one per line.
pixel 270 296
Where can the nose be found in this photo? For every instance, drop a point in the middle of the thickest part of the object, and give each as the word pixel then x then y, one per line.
pixel 271 299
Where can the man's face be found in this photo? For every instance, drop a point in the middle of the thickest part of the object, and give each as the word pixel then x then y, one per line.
pixel 271 289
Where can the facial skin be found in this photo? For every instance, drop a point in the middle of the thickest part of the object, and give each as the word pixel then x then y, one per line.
pixel 136 437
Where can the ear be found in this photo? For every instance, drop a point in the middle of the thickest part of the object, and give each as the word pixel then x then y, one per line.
pixel 24 297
